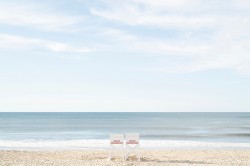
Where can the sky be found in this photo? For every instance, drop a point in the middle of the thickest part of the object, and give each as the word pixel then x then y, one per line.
pixel 117 55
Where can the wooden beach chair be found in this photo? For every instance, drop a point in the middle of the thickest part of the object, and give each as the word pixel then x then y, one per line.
pixel 132 145
pixel 116 145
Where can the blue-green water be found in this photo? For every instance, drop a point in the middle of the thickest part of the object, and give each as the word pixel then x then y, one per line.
pixel 91 130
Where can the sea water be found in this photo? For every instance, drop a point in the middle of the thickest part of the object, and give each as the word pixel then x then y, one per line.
pixel 29 131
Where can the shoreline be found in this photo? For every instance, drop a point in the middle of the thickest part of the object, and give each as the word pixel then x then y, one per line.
pixel 148 157
pixel 103 144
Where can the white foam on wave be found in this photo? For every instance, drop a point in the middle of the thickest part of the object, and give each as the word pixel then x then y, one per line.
pixel 104 144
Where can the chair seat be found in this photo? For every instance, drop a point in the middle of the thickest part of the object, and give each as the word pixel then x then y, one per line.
pixel 132 142
pixel 116 142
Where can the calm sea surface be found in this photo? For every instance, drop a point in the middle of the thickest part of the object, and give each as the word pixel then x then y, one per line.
pixel 91 130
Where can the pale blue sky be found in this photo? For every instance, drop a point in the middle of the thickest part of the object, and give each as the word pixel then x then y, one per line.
pixel 133 55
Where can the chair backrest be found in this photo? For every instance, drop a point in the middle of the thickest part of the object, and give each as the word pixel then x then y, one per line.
pixel 116 138
pixel 132 138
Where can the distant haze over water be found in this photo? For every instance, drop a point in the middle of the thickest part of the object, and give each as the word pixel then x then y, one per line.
pixel 91 130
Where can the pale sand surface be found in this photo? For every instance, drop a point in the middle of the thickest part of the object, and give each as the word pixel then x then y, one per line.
pixel 149 157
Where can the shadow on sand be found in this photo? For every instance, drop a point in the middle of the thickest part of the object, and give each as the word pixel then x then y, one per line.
pixel 143 159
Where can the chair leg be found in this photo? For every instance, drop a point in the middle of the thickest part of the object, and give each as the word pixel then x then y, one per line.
pixel 123 154
pixel 109 158
pixel 138 154
pixel 110 155
pixel 125 157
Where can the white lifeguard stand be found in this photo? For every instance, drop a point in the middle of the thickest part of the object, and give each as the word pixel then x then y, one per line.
pixel 132 145
pixel 116 145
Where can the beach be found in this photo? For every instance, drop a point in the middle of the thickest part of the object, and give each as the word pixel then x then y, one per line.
pixel 148 158
pixel 71 139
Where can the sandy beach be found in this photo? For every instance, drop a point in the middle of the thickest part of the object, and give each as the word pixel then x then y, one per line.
pixel 149 157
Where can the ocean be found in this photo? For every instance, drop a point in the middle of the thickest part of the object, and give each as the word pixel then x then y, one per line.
pixel 43 131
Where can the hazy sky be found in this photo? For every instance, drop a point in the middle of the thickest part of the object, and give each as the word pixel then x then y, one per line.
pixel 125 55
